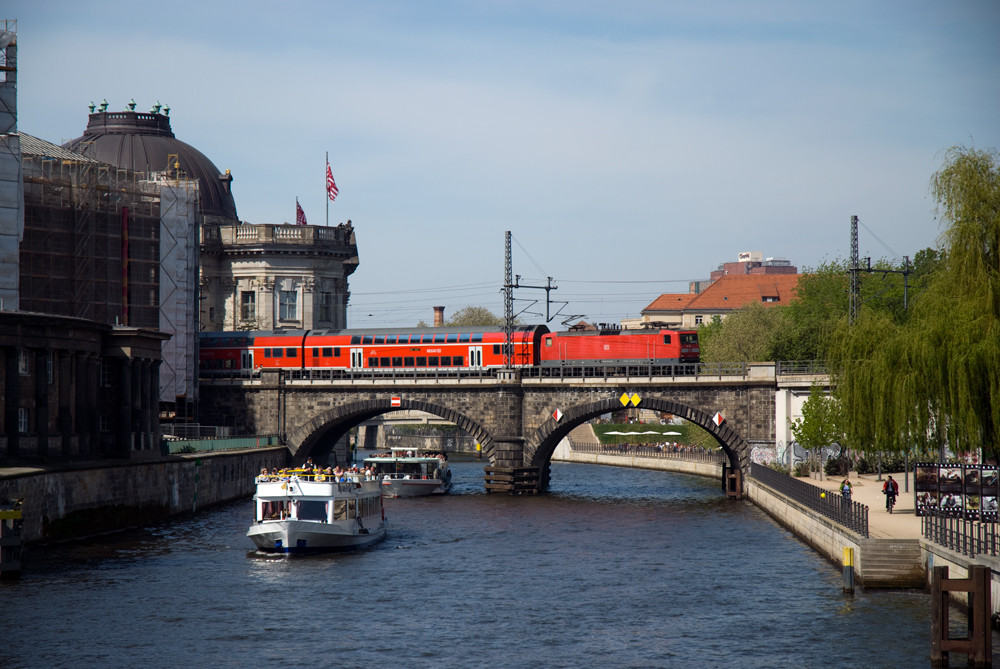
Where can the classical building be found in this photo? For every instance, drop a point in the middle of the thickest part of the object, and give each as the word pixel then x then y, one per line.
pixel 265 277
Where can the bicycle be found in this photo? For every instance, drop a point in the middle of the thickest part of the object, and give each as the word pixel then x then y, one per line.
pixel 890 501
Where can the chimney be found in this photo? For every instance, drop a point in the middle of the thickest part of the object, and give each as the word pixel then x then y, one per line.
pixel 438 316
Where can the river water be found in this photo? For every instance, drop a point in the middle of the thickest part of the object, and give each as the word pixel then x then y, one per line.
pixel 614 568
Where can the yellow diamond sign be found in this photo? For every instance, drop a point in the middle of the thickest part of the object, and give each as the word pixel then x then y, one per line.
pixel 624 399
pixel 636 399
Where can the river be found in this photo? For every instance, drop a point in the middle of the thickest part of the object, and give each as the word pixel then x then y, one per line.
pixel 614 568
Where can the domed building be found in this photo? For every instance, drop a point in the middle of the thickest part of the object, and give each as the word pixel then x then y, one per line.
pixel 144 142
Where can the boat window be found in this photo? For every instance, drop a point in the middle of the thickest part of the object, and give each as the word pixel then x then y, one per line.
pixel 397 362
pixel 328 352
pixel 340 509
pixel 666 339
pixel 446 361
pixel 352 508
pixel 355 339
pixel 408 361
pixel 456 360
pixel 421 361
pixel 433 361
pixel 273 511
pixel 291 353
pixel 383 362
pixel 311 510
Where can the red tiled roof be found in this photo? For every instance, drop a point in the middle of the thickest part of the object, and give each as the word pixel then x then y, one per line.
pixel 670 302
pixel 734 291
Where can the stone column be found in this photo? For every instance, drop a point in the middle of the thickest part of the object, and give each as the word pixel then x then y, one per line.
pixel 42 400
pixel 11 396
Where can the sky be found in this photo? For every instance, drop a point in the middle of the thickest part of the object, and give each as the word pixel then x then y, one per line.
pixel 629 147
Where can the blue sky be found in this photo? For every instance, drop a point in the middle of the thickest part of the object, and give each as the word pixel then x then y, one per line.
pixel 629 147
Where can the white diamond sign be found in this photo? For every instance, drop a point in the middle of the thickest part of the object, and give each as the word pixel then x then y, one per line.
pixel 557 414
pixel 718 418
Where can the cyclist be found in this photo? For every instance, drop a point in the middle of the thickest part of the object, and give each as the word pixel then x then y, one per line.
pixel 891 490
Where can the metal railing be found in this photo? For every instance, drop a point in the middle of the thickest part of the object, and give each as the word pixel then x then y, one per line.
pixel 968 537
pixel 639 450
pixel 852 515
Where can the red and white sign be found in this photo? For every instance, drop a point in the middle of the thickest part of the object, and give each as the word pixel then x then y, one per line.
pixel 557 414
pixel 718 418
pixel 396 401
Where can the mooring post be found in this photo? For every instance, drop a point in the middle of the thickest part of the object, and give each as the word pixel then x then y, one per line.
pixel 848 569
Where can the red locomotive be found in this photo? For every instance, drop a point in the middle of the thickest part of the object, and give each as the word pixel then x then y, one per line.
pixel 446 348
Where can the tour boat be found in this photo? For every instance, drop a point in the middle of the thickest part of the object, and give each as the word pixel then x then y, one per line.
pixel 406 472
pixel 303 513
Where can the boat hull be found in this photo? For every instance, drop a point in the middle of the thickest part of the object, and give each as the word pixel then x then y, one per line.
pixel 303 536
pixel 414 487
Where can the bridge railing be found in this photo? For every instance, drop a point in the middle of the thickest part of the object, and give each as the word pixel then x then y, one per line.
pixel 632 372
pixel 639 450
pixel 852 515
pixel 969 537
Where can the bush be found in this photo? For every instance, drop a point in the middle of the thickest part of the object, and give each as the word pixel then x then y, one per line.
pixel 891 462
pixel 839 466
pixel 802 468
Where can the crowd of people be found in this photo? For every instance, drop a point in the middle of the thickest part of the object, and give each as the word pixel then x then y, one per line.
pixel 313 472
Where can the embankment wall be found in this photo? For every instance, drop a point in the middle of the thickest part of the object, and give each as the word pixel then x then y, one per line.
pixel 80 502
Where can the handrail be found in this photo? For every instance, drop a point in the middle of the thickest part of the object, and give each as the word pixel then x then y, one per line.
pixel 852 515
pixel 968 537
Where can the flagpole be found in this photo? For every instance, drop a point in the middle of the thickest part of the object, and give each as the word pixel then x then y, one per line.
pixel 326 196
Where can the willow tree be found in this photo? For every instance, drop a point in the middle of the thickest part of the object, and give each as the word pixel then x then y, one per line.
pixel 936 377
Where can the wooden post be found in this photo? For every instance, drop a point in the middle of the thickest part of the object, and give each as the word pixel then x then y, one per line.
pixel 848 569
pixel 979 644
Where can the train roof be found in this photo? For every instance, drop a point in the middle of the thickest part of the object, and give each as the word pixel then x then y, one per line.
pixel 250 335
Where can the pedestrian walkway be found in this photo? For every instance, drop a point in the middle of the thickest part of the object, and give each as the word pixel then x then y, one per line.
pixel 902 523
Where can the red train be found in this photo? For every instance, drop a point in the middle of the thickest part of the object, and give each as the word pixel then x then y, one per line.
pixel 447 349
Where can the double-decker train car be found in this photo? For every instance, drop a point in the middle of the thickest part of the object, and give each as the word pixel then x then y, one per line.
pixel 381 349
pixel 613 346
pixel 455 349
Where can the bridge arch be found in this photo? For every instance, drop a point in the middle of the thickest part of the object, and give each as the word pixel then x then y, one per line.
pixel 317 437
pixel 541 444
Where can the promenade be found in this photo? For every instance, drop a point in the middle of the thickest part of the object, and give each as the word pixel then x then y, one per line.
pixel 902 523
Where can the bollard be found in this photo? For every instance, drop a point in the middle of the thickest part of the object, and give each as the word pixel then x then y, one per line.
pixel 848 570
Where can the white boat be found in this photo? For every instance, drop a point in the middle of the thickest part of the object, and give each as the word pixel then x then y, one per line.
pixel 405 472
pixel 303 514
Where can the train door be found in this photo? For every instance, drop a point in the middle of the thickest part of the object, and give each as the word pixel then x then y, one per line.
pixel 246 361
pixel 357 358
pixel 476 357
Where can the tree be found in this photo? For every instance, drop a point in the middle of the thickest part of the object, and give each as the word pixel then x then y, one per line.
pixel 935 377
pixel 748 334
pixel 819 426
pixel 475 316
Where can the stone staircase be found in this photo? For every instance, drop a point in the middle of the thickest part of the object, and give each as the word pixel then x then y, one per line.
pixel 583 434
pixel 891 563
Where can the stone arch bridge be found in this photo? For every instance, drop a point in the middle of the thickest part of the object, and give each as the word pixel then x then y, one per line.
pixel 518 421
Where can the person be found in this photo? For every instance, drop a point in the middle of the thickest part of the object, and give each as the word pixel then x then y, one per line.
pixel 890 489
pixel 845 490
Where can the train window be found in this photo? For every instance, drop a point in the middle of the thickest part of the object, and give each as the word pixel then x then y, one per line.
pixel 355 339
pixel 315 352
pixel 689 338
pixel 379 339
pixel 477 337
pixel 397 362
pixel 390 339
pixel 428 339
pixel 336 352
pixel 446 361
pixel 408 361
pixel 497 349
pixel 440 338
pixel 433 361
pixel 383 362
pixel 456 361
pixel 453 338
pixel 666 339
pixel 267 353
pixel 421 361
pixel 328 352
pixel 463 338
pixel 548 341
pixel 291 353
pixel 366 339
pixel 373 362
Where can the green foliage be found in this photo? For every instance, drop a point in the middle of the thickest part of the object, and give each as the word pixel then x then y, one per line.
pixel 935 376
pixel 475 316
pixel 820 423
pixel 748 334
